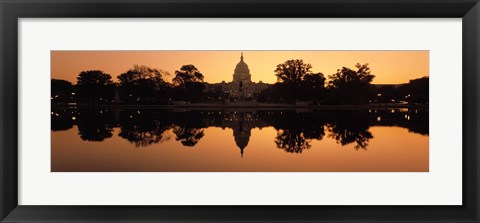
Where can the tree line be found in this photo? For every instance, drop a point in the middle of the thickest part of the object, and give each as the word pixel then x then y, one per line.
pixel 295 82
pixel 351 86
pixel 138 85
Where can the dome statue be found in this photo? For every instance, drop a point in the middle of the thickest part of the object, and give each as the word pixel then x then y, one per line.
pixel 242 73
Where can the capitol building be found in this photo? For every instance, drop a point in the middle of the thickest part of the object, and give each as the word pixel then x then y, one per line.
pixel 241 87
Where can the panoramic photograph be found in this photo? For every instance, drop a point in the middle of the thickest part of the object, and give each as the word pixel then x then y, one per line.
pixel 239 111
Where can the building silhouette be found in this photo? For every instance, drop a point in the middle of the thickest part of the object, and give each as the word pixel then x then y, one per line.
pixel 241 87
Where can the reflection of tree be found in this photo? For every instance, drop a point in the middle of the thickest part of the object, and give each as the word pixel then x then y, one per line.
pixel 61 120
pixel 314 131
pixel 188 136
pixel 346 136
pixel 142 128
pixel 295 130
pixel 350 127
pixel 291 141
pixel 415 120
pixel 95 125
pixel 189 127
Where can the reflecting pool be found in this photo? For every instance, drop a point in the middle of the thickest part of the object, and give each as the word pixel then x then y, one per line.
pixel 240 140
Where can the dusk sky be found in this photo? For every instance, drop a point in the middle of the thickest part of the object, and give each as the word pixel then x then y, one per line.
pixel 389 67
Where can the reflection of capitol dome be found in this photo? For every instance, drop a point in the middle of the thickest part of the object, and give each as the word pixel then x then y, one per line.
pixel 242 136
pixel 242 73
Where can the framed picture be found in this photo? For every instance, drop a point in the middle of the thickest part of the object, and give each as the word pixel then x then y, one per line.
pixel 260 111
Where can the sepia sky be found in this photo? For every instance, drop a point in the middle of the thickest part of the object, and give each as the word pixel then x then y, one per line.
pixel 389 67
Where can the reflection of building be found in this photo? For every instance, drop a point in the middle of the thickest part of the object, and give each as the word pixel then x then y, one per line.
pixel 241 122
pixel 242 136
pixel 241 87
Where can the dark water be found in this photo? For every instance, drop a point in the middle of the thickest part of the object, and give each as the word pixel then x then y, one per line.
pixel 240 140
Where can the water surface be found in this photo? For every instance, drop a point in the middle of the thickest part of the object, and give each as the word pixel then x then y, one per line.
pixel 240 140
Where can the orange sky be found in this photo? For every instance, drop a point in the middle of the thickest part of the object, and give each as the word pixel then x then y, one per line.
pixel 389 67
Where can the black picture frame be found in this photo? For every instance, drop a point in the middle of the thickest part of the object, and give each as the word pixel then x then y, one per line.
pixel 11 11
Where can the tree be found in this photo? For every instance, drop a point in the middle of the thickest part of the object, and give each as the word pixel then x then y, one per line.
pixel 292 71
pixel 142 84
pixel 351 86
pixel 276 93
pixel 189 82
pixel 61 90
pixel 314 87
pixel 418 90
pixel 187 74
pixel 95 86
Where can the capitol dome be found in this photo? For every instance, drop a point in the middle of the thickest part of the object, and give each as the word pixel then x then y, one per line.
pixel 241 73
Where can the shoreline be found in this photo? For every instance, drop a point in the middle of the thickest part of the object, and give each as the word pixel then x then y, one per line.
pixel 243 106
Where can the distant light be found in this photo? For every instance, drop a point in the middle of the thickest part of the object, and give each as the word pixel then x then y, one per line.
pixel 379 95
pixel 73 93
pixel 379 118
pixel 74 118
